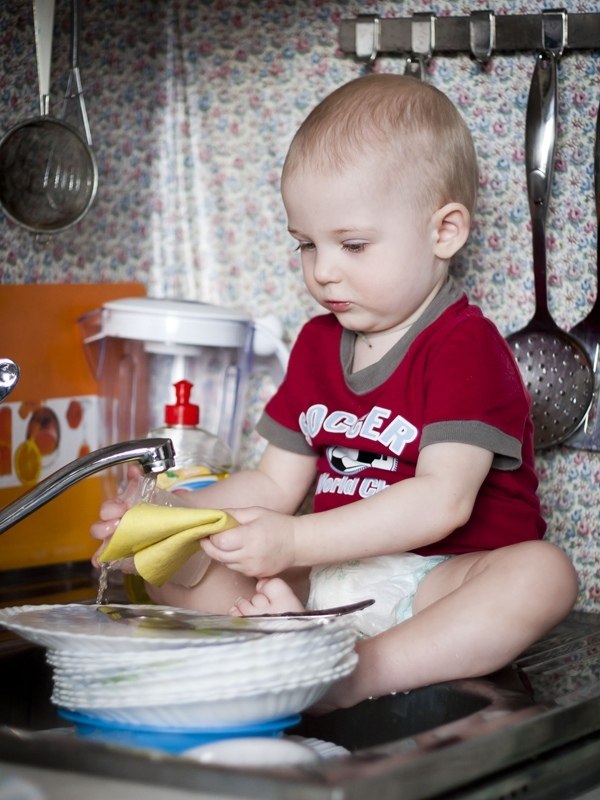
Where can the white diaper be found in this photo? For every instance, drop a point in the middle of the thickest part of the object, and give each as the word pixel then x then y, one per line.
pixel 390 580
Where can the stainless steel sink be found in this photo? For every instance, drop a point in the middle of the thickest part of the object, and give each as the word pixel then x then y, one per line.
pixel 401 716
pixel 514 732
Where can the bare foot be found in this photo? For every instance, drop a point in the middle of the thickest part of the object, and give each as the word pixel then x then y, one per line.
pixel 272 596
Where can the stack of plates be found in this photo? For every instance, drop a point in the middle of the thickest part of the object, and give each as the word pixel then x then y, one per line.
pixel 215 672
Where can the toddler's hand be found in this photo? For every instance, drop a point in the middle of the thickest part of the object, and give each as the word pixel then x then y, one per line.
pixel 111 512
pixel 260 547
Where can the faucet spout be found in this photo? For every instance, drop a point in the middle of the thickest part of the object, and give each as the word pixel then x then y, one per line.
pixel 154 455
pixel 9 375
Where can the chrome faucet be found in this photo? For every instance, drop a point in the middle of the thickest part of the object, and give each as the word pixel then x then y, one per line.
pixel 9 375
pixel 154 455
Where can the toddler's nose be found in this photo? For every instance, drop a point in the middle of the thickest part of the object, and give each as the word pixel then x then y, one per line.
pixel 325 269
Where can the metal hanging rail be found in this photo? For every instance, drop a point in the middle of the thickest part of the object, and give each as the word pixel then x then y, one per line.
pixel 480 34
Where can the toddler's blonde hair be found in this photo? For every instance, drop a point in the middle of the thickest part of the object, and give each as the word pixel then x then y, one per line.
pixel 411 125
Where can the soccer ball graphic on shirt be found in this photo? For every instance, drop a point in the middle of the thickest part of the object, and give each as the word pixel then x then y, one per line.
pixel 350 461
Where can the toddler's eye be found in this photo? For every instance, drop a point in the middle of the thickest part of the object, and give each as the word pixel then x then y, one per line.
pixel 303 246
pixel 354 247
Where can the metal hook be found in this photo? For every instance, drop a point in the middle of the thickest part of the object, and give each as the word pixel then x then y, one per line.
pixel 367 34
pixel 482 35
pixel 554 31
pixel 422 43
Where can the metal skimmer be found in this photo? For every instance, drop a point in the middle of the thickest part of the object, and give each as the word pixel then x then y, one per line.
pixel 555 367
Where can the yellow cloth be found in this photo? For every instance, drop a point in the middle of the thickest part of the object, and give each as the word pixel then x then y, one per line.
pixel 162 539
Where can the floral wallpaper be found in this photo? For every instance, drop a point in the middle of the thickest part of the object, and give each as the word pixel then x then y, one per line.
pixel 192 104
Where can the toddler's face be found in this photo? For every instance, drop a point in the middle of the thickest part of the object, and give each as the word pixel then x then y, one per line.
pixel 366 249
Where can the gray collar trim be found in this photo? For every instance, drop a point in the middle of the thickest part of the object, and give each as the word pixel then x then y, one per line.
pixel 365 380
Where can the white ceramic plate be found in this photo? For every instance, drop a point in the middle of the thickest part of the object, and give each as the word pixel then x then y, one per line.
pixel 76 627
pixel 248 656
pixel 179 689
pixel 207 674
pixel 225 710
pixel 168 689
pixel 179 693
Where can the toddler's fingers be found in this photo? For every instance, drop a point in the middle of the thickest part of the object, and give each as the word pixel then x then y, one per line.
pixel 104 529
pixel 241 608
pixel 134 471
pixel 123 565
pixel 212 551
pixel 115 507
pixel 259 604
pixel 112 509
pixel 227 540
pixel 95 558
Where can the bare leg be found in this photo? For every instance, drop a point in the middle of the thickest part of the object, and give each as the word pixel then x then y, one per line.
pixel 215 594
pixel 223 591
pixel 473 615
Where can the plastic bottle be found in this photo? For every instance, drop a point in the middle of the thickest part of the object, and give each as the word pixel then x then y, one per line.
pixel 201 458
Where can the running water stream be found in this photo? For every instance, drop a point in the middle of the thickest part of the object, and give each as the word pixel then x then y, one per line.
pixel 101 596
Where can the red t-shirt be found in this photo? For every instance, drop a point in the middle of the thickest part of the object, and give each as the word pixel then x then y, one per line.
pixel 451 378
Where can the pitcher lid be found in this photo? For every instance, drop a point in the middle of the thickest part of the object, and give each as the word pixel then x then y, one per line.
pixel 163 320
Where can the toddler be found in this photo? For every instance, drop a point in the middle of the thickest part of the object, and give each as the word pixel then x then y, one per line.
pixel 402 405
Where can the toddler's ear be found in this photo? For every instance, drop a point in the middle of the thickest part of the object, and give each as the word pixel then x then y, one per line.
pixel 451 225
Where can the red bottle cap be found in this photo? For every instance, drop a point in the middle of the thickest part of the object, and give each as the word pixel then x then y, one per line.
pixel 183 412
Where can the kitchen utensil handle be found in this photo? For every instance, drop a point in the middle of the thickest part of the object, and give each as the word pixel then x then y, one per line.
pixel 75 32
pixel 335 611
pixel 43 21
pixel 74 110
pixel 540 131
pixel 540 141
pixel 596 306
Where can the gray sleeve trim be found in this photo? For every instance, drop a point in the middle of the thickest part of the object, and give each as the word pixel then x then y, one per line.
pixel 506 449
pixel 283 437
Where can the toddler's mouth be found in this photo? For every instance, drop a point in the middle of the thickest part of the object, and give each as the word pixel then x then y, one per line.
pixel 338 306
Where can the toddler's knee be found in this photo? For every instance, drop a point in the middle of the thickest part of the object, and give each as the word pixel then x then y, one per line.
pixel 555 577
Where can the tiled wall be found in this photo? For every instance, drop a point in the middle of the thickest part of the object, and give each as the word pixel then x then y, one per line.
pixel 192 105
